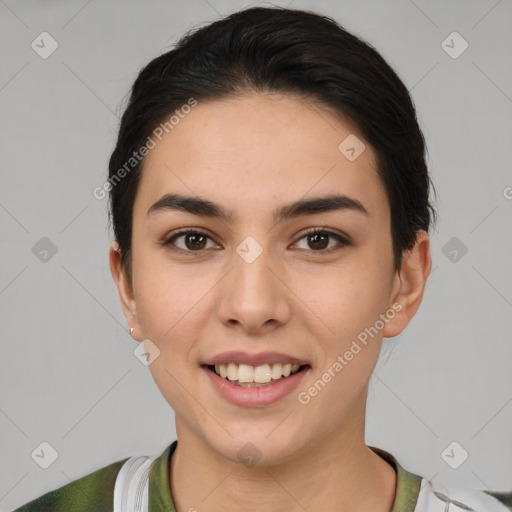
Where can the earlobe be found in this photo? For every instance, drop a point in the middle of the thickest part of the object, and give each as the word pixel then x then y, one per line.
pixel 124 289
pixel 409 284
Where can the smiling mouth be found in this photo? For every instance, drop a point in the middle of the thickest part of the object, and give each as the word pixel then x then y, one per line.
pixel 255 376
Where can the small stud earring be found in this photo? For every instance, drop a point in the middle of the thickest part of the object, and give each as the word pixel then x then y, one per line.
pixel 131 330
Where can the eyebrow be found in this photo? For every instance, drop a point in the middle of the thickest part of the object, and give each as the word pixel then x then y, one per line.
pixel 206 208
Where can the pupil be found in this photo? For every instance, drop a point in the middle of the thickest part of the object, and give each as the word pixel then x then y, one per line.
pixel 315 239
pixel 315 236
pixel 195 235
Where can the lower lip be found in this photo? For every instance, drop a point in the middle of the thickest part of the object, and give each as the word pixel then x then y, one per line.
pixel 259 396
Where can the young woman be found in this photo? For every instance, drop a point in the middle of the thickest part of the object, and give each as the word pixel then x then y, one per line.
pixel 270 205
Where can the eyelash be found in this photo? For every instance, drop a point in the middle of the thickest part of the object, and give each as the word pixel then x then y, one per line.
pixel 169 241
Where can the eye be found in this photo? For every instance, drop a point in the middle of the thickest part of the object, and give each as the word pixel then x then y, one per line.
pixel 194 240
pixel 318 238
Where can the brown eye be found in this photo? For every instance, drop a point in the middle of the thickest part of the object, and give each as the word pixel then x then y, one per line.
pixel 196 241
pixel 193 240
pixel 318 240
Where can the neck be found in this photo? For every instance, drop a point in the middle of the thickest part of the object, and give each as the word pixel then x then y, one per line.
pixel 338 472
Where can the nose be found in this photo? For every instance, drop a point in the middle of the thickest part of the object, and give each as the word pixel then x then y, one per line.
pixel 254 295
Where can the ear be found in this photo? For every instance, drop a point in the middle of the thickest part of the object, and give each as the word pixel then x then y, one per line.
pixel 124 289
pixel 409 284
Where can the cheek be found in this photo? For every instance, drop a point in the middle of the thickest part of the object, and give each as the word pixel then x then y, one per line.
pixel 167 312
pixel 165 298
pixel 345 300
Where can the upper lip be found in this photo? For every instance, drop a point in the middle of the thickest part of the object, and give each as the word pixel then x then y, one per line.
pixel 239 357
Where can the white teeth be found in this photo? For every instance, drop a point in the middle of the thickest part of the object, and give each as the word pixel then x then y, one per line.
pixel 277 371
pixel 245 373
pixel 232 371
pixel 261 374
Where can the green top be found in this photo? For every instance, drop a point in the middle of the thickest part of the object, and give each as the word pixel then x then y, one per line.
pixel 95 492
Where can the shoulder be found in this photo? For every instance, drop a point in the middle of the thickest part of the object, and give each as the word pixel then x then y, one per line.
pixel 415 493
pixel 94 491
pixel 434 497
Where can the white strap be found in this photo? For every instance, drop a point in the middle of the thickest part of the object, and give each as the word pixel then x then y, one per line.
pixel 131 490
pixel 436 497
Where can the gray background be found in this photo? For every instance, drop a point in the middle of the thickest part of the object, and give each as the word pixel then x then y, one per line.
pixel 68 375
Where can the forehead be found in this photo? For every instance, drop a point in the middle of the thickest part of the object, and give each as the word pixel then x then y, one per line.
pixel 258 150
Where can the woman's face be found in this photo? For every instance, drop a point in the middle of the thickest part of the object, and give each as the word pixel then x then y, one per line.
pixel 255 283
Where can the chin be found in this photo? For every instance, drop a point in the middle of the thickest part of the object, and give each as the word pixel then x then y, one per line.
pixel 258 450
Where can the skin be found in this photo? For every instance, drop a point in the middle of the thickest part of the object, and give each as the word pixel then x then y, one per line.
pixel 251 154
